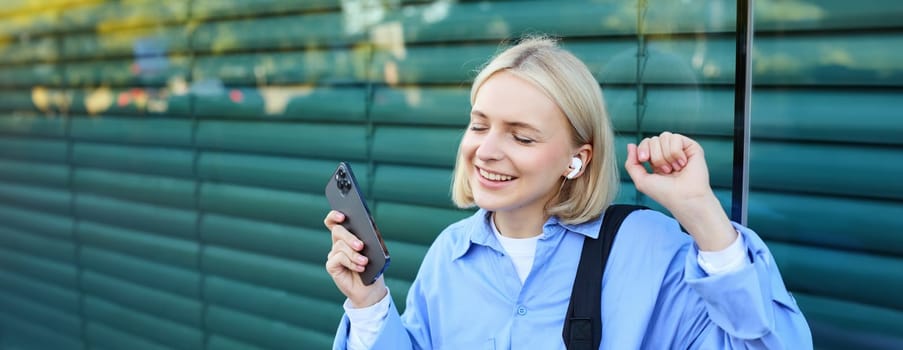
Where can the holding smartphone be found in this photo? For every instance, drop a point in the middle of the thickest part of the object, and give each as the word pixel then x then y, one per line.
pixel 345 196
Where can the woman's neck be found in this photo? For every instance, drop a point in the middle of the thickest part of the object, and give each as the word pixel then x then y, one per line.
pixel 519 224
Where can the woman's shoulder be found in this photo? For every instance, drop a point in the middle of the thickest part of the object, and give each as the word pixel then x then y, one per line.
pixel 654 229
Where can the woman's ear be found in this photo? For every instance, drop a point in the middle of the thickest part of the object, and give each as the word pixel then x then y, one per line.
pixel 585 154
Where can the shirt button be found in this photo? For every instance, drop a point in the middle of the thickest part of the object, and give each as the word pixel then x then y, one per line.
pixel 521 310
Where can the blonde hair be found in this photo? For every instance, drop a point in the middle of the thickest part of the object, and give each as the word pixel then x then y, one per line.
pixel 568 82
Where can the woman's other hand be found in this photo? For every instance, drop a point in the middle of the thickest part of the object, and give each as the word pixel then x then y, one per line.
pixel 345 262
pixel 679 172
pixel 680 182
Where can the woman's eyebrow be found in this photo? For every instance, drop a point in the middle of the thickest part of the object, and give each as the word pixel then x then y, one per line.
pixel 522 125
pixel 515 125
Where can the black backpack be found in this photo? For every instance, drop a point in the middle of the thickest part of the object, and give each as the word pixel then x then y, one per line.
pixel 583 322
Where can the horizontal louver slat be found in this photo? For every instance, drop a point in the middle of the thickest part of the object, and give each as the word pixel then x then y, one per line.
pixel 277 273
pixel 36 74
pixel 43 49
pixel 147 273
pixel 179 252
pixel 107 337
pixel 61 274
pixel 154 40
pixel 139 216
pixel 264 237
pixel 273 33
pixel 63 323
pixel 31 125
pixel 146 160
pixel 54 176
pixel 37 222
pixel 33 149
pixel 826 221
pixel 140 71
pixel 268 333
pixel 41 199
pixel 140 188
pixel 168 307
pixel 297 310
pixel 211 9
pixel 262 204
pixel 839 324
pixel 415 185
pixel 157 132
pixel 59 250
pixel 416 145
pixel 23 334
pixel 34 290
pixel 310 66
pixel 303 140
pixel 840 274
pixel 288 173
pixel 116 15
pixel 282 103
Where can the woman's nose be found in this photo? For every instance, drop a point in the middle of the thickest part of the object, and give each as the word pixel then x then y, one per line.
pixel 490 147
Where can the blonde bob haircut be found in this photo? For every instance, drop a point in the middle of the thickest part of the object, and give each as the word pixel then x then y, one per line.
pixel 568 82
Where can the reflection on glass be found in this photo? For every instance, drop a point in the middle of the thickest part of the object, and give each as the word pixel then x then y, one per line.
pixel 825 117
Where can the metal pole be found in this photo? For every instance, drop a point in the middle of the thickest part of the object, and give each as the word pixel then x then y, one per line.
pixel 742 91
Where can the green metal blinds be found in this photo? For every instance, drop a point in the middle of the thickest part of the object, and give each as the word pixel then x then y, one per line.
pixel 162 162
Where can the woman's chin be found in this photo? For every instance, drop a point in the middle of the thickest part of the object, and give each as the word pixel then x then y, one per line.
pixel 488 204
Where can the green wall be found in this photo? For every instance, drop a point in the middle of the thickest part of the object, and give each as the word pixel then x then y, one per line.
pixel 162 163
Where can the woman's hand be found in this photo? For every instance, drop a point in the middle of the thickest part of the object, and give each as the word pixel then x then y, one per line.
pixel 680 183
pixel 344 263
pixel 679 173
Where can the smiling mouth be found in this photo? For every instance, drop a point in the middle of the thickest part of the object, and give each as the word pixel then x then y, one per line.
pixel 494 177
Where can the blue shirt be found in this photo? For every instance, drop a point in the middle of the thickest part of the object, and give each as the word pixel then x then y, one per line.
pixel 467 294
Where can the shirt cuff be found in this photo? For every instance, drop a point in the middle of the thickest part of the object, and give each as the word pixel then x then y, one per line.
pixel 730 259
pixel 366 322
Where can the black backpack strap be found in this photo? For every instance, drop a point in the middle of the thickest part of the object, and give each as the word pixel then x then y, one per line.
pixel 583 322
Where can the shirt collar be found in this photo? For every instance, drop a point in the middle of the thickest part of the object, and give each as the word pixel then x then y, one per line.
pixel 478 231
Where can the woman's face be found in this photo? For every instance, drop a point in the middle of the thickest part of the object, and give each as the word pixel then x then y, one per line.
pixel 517 147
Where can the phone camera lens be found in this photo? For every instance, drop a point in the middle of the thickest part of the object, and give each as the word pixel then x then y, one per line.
pixel 344 185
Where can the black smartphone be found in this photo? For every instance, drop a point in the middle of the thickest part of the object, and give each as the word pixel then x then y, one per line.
pixel 344 195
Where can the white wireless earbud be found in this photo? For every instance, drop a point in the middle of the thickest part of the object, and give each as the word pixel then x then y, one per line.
pixel 576 165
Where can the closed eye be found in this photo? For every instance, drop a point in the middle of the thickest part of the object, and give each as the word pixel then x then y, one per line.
pixel 523 140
